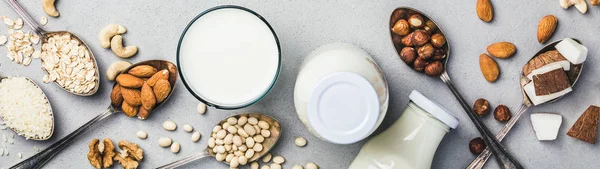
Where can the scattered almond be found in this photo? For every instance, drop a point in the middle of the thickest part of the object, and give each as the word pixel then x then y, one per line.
pixel 143 71
pixel 485 11
pixel 502 50
pixel 546 28
pixel 489 68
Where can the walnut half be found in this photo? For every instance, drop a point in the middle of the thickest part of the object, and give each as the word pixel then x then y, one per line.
pixel 101 153
pixel 94 155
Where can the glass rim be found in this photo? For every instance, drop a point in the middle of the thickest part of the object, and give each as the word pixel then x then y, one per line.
pixel 206 101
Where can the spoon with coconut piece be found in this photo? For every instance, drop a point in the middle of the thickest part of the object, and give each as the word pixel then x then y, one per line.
pixel 84 52
pixel 547 55
pixel 49 112
pixel 267 143
pixel 433 66
pixel 38 160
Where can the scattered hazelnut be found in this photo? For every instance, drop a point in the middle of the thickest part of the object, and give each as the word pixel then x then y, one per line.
pixel 419 64
pixel 434 69
pixel 430 26
pixel 401 28
pixel 481 107
pixel 438 40
pixel 416 21
pixel 439 54
pixel 477 145
pixel 426 51
pixel 408 55
pixel 502 113
pixel 420 38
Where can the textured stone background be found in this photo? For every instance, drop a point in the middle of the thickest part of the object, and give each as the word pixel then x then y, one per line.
pixel 155 26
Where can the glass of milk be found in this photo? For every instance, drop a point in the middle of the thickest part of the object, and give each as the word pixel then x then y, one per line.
pixel 229 57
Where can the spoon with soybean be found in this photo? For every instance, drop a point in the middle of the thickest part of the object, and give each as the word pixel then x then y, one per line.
pixel 38 160
pixel 573 75
pixel 45 35
pixel 49 111
pixel 503 157
pixel 267 144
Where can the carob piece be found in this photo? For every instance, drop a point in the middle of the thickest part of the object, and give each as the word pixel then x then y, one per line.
pixel 551 82
pixel 586 127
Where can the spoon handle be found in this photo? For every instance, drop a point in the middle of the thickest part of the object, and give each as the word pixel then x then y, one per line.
pixel 504 159
pixel 26 17
pixel 186 160
pixel 485 155
pixel 41 158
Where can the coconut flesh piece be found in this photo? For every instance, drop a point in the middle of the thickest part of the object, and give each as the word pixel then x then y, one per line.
pixel 572 51
pixel 565 64
pixel 546 125
pixel 537 100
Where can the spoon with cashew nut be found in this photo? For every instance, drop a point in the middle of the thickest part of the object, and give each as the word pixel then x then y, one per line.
pixel 433 53
pixel 573 75
pixel 92 80
pixel 267 138
pixel 38 160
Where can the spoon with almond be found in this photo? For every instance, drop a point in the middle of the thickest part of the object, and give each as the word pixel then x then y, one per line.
pixel 238 140
pixel 422 46
pixel 553 75
pixel 38 160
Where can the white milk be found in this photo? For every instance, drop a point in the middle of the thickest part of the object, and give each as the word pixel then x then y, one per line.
pixel 229 57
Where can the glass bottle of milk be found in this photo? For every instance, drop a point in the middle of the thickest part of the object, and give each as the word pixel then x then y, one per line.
pixel 411 142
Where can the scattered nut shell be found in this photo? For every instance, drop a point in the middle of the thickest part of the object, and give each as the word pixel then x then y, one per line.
pixel 196 136
pixel 300 141
pixel 175 147
pixel 188 128
pixel 169 125
pixel 165 141
pixel 142 134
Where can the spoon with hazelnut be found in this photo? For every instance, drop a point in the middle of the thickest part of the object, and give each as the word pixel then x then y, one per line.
pixel 422 45
pixel 550 53
pixel 266 143
pixel 41 158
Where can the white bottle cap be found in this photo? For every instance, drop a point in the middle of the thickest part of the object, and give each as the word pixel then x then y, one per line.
pixel 343 108
pixel 434 109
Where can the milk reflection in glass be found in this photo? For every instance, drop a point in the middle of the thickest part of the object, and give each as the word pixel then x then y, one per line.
pixel 229 57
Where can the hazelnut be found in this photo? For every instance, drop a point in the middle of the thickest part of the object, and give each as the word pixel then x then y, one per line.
pixel 408 55
pixel 426 51
pixel 439 54
pixel 502 113
pixel 408 40
pixel 481 107
pixel 434 69
pixel 438 40
pixel 397 15
pixel 416 21
pixel 477 145
pixel 430 26
pixel 419 64
pixel 396 39
pixel 401 28
pixel 420 37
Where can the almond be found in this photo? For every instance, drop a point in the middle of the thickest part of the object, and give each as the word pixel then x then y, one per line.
pixel 132 96
pixel 129 110
pixel 485 11
pixel 161 90
pixel 162 74
pixel 595 2
pixel 142 71
pixel 143 113
pixel 148 99
pixel 546 28
pixel 129 81
pixel 502 50
pixel 116 98
pixel 489 68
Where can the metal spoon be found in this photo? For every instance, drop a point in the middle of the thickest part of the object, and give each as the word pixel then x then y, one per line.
pixel 38 160
pixel 504 159
pixel 46 35
pixel 573 75
pixel 267 144
pixel 49 111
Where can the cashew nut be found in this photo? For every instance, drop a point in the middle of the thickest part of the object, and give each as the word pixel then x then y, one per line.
pixel 579 4
pixel 116 44
pixel 115 69
pixel 108 32
pixel 49 8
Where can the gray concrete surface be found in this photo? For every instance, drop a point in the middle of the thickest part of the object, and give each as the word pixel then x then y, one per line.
pixel 302 26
